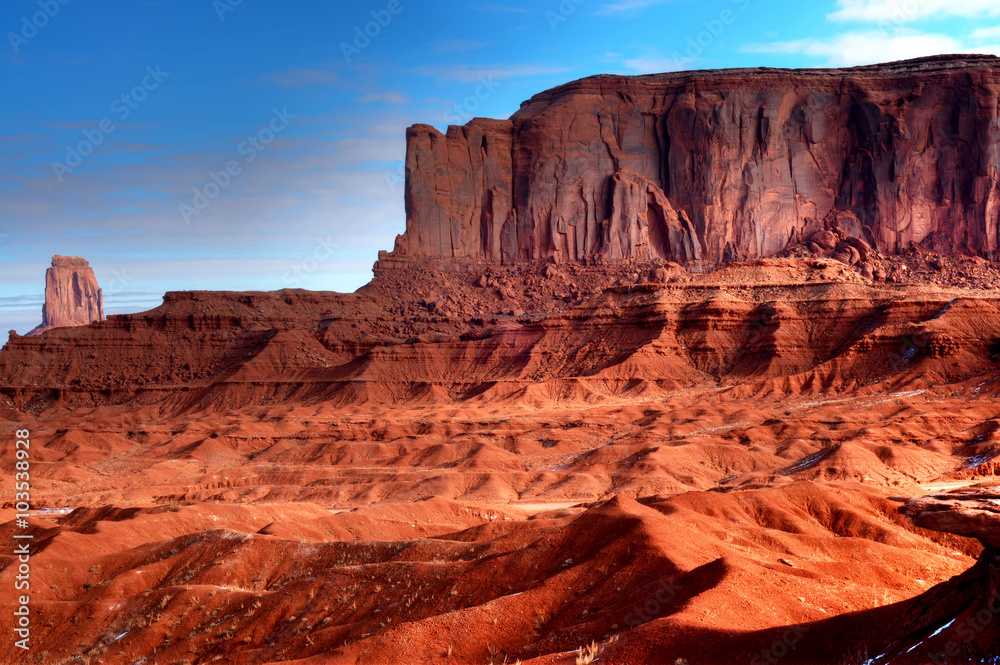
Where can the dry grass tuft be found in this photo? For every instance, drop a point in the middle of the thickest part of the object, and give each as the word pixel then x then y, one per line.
pixel 586 655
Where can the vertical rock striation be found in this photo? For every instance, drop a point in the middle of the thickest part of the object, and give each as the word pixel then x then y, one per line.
pixel 717 165
pixel 72 296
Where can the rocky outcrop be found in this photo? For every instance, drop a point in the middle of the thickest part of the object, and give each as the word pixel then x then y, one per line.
pixel 718 165
pixel 72 296
pixel 953 622
pixel 795 333
pixel 972 512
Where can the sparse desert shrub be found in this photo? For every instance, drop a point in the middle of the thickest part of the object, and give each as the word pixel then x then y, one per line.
pixel 586 655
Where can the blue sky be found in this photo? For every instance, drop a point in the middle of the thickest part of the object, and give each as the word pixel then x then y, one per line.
pixel 219 144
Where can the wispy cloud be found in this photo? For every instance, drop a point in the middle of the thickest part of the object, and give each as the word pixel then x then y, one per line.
pixel 385 97
pixel 628 6
pixel 873 46
pixel 18 303
pixel 899 12
pixel 124 217
pixel 472 73
pixel 657 65
pixel 502 9
pixel 862 48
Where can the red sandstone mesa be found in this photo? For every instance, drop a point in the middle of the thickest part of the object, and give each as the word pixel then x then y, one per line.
pixel 72 296
pixel 717 165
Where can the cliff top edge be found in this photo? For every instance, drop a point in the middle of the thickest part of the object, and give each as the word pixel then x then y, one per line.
pixel 929 65
pixel 59 261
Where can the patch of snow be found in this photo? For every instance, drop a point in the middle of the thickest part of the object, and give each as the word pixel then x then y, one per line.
pixel 938 631
pixel 979 460
pixel 808 461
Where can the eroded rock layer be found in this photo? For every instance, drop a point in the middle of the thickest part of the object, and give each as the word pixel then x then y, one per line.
pixel 715 165
pixel 790 325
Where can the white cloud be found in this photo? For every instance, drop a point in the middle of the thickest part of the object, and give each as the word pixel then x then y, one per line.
pixel 864 48
pixel 987 33
pixel 900 12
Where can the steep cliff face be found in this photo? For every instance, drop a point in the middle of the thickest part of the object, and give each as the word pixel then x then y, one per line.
pixel 72 296
pixel 717 165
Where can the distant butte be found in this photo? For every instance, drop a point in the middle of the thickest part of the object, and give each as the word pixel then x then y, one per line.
pixel 72 296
